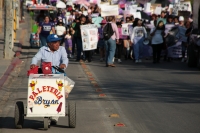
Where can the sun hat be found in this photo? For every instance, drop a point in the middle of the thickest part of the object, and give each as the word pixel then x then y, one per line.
pixel 53 38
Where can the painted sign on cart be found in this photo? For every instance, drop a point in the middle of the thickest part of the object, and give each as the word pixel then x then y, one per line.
pixel 46 95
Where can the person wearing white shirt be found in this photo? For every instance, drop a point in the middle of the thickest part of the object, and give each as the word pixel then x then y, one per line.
pixel 60 31
pixel 137 37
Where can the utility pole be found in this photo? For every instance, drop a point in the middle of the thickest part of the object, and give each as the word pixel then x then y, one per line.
pixel 1 15
pixel 8 46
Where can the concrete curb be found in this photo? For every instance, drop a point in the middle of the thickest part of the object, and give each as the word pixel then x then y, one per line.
pixel 16 61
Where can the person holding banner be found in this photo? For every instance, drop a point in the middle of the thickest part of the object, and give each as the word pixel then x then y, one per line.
pixel 137 37
pixel 78 37
pixel 111 43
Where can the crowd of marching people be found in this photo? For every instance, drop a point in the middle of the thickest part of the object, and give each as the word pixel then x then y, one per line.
pixel 114 45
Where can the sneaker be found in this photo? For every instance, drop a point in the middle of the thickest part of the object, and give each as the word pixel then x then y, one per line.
pixel 183 60
pixel 101 59
pixel 113 59
pixel 139 60
pixel 119 61
pixel 136 61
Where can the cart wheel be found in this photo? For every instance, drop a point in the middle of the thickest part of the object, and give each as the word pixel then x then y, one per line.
pixel 46 123
pixel 72 114
pixel 19 115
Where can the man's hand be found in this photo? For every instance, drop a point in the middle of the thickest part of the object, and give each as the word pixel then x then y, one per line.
pixel 62 66
pixel 32 66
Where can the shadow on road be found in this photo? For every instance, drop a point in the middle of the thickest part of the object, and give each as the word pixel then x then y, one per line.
pixel 8 123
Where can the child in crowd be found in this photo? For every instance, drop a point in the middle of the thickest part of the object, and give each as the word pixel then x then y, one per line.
pixel 68 43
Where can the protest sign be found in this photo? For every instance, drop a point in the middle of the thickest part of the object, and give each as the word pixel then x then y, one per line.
pixel 158 10
pixel 111 10
pixel 170 7
pixel 185 14
pixel 131 8
pixel 125 30
pixel 147 7
pixel 175 9
pixel 89 35
pixel 103 3
pixel 153 7
pixel 175 51
pixel 185 6
pixel 136 15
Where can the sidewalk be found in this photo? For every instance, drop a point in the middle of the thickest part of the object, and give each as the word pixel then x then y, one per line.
pixel 8 65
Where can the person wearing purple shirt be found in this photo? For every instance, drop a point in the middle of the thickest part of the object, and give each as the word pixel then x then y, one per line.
pixel 44 30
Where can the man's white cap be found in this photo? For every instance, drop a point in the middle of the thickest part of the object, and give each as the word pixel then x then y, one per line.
pixel 181 18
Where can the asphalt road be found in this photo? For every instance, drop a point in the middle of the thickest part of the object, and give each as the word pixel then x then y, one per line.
pixel 148 98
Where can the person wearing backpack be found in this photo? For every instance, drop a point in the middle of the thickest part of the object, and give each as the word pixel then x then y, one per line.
pixel 111 36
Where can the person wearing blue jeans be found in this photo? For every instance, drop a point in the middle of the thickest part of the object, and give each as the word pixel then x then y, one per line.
pixel 138 49
pixel 138 35
pixel 110 44
pixel 43 40
pixel 110 51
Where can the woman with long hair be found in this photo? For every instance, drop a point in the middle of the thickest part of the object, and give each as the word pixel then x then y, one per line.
pixel 137 37
pixel 111 42
pixel 157 34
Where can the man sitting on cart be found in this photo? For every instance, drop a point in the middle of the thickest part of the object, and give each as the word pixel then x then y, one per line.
pixel 53 53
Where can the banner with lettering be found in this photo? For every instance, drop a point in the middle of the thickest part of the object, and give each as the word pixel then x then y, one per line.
pixel 46 95
pixel 89 35
pixel 109 10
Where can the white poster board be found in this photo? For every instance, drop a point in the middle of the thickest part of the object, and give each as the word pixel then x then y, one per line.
pixel 125 30
pixel 131 8
pixel 109 10
pixel 89 35
pixel 46 95
pixel 147 7
pixel 158 10
pixel 29 3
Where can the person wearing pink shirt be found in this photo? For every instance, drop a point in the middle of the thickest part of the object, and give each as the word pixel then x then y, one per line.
pixel 111 43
